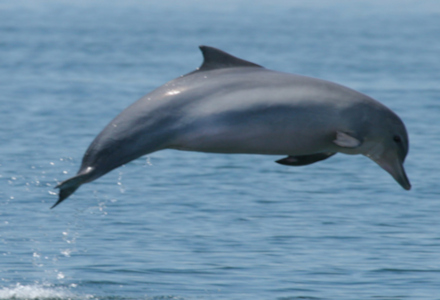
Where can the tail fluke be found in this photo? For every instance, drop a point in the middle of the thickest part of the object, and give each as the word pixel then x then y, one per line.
pixel 69 186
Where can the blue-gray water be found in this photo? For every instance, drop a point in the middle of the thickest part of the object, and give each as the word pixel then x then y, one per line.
pixel 182 225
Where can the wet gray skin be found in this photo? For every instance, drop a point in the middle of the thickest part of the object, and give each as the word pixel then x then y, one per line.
pixel 230 105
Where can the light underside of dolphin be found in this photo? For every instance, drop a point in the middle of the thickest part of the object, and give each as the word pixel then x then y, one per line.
pixel 230 105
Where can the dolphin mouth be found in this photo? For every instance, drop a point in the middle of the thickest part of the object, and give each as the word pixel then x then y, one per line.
pixel 395 168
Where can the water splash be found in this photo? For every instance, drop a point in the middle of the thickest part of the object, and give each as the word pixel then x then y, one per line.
pixel 50 292
pixel 120 184
pixel 35 292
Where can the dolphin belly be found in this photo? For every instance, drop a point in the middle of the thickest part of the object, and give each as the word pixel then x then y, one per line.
pixel 271 131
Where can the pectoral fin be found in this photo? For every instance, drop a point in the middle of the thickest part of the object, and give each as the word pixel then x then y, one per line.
pixel 303 160
pixel 345 140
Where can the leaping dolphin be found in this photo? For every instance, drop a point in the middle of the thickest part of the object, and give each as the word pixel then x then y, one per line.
pixel 229 105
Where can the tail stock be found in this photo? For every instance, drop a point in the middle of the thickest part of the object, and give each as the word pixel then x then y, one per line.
pixel 69 186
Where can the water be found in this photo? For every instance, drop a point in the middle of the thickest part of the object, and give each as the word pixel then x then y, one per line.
pixel 181 225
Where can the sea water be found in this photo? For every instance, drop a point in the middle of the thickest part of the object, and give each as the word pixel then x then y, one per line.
pixel 183 225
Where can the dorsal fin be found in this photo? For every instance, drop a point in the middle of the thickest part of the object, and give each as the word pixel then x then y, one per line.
pixel 214 58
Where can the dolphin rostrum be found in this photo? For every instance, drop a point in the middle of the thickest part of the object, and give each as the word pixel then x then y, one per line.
pixel 230 105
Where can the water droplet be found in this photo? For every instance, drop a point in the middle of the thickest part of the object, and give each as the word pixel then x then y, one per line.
pixel 66 252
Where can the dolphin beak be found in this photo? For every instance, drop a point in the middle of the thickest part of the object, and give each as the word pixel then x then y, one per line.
pixel 395 168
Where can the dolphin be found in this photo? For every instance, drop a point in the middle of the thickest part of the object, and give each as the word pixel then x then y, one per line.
pixel 230 105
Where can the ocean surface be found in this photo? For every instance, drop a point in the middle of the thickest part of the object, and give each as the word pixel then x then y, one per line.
pixel 186 225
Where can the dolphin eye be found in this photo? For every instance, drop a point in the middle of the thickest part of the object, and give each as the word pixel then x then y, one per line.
pixel 397 139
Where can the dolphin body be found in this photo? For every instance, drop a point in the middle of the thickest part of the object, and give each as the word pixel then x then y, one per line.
pixel 230 105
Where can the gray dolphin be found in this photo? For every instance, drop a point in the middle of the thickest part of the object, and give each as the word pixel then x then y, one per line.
pixel 230 105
